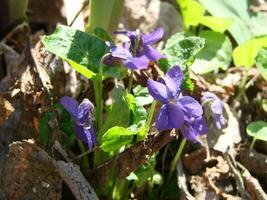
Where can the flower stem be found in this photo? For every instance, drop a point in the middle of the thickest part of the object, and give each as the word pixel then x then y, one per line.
pixel 174 161
pixel 104 14
pixel 100 103
pixel 98 97
pixel 130 82
pixel 151 112
pixel 85 162
pixel 252 143
pixel 242 89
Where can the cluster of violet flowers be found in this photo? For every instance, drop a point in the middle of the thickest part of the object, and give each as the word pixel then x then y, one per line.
pixel 178 111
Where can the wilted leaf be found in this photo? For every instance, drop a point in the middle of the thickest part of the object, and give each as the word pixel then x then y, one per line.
pixel 6 109
pixel 216 54
pixel 29 173
pixel 227 137
pixel 261 62
pixel 115 138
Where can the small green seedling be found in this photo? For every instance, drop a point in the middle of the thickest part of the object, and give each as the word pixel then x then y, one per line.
pixel 257 130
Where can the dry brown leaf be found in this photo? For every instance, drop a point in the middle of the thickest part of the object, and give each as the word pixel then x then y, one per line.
pixel 29 173
pixel 6 109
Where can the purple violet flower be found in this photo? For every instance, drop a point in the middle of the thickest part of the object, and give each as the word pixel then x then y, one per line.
pixel 82 115
pixel 193 128
pixel 175 110
pixel 215 107
pixel 138 52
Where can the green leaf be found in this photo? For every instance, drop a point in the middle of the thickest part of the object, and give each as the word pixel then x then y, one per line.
pixel 66 125
pixel 217 24
pixel 164 64
pixel 181 48
pixel 191 11
pixel 261 62
pixel 119 114
pixel 115 138
pixel 132 177
pixel 117 72
pixel 216 54
pixel 45 130
pixel 146 172
pixel 102 34
pixel 244 54
pixel 142 95
pixel 193 15
pixel 138 111
pixel 187 83
pixel 82 50
pixel 140 129
pixel 245 23
pixel 258 130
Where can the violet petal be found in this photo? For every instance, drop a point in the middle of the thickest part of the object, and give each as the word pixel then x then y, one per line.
pixel 71 105
pixel 120 52
pixel 190 106
pixel 152 54
pixel 174 79
pixel 153 37
pixel 217 106
pixel 157 90
pixel 200 126
pixel 86 135
pixel 169 117
pixel 83 111
pixel 136 63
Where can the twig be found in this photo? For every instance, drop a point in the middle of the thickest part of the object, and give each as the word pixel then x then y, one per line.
pixel 252 184
pixel 73 177
pixel 181 179
pixel 85 153
pixel 85 3
pixel 238 178
pixel 129 160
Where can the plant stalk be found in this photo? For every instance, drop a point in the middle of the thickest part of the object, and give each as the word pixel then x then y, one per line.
pixel 104 14
pixel 252 143
pixel 151 113
pixel 174 161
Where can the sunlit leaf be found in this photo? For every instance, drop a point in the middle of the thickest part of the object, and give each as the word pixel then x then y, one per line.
pixel 261 62
pixel 119 113
pixel 82 50
pixel 246 24
pixel 193 15
pixel 115 138
pixel 258 130
pixel 181 48
pixel 217 24
pixel 138 111
pixel 244 54
pixel 142 95
pixel 216 54
pixel 191 11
